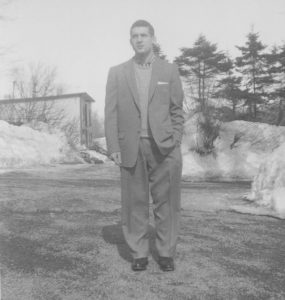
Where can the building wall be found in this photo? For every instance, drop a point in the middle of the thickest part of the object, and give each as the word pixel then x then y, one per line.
pixel 86 122
pixel 68 109
pixel 73 115
pixel 71 123
pixel 70 106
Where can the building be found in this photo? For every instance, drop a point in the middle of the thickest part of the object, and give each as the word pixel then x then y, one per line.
pixel 71 111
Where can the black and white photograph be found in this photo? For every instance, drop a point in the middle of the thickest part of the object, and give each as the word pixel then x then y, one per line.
pixel 142 150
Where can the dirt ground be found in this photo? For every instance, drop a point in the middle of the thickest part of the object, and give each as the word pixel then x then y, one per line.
pixel 60 238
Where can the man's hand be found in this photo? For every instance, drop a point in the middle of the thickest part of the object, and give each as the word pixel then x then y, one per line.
pixel 116 157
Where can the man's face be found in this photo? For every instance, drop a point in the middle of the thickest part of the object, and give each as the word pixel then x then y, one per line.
pixel 141 40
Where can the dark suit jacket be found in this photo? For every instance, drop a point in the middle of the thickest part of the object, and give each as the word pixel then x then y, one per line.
pixel 122 109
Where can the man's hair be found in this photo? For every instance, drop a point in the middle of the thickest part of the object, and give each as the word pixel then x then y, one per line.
pixel 143 23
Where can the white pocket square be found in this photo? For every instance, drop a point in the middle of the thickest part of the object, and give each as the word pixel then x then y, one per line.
pixel 162 82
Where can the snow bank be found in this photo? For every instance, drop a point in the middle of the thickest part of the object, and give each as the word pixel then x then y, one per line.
pixel 23 146
pixel 97 153
pixel 101 142
pixel 243 150
pixel 92 156
pixel 268 187
pixel 239 150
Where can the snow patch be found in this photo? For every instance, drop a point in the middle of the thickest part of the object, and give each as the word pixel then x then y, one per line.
pixel 242 151
pixel 23 146
pixel 268 187
pixel 239 150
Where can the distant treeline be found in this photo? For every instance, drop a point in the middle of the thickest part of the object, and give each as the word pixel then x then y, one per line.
pixel 252 83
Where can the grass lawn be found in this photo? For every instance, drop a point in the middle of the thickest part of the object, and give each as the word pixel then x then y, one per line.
pixel 60 238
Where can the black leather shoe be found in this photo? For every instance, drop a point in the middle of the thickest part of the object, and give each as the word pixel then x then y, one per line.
pixel 166 263
pixel 139 264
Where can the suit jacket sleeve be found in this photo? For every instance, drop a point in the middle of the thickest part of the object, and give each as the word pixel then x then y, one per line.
pixel 176 104
pixel 111 125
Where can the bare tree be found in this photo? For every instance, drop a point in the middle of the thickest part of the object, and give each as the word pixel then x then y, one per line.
pixel 33 111
pixel 38 80
pixel 30 85
pixel 72 132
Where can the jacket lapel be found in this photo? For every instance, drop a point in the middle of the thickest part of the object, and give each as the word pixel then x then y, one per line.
pixel 131 79
pixel 156 68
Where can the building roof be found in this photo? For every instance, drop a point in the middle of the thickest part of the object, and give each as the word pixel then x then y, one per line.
pixel 85 96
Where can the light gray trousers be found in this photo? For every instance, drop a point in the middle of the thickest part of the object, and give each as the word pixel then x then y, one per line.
pixel 160 175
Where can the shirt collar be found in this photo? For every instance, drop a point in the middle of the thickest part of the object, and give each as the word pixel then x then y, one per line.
pixel 148 62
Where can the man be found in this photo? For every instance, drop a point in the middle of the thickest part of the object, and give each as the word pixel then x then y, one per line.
pixel 143 125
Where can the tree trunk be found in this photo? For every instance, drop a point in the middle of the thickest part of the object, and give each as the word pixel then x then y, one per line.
pixel 234 109
pixel 280 112
pixel 199 84
pixel 255 109
pixel 203 88
pixel 254 89
pixel 250 108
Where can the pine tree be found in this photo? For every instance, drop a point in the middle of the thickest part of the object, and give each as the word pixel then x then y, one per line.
pixel 157 51
pixel 276 59
pixel 281 89
pixel 253 65
pixel 228 87
pixel 200 66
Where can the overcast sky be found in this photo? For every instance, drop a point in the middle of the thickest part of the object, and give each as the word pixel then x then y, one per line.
pixel 84 38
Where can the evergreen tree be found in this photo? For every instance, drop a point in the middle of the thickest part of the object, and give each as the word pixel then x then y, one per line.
pixel 200 66
pixel 276 59
pixel 281 89
pixel 254 67
pixel 228 87
pixel 157 51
